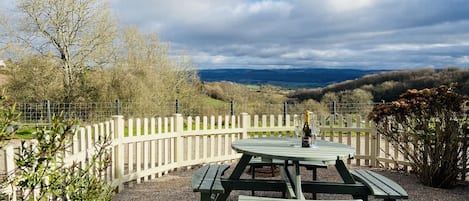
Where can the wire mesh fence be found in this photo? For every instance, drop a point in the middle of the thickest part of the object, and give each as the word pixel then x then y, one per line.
pixel 43 112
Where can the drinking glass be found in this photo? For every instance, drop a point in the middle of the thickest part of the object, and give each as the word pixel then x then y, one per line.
pixel 314 133
pixel 297 133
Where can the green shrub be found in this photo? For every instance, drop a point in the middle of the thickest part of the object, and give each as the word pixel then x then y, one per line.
pixel 42 172
pixel 427 127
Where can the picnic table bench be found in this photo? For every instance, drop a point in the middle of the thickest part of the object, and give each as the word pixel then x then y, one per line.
pixel 380 186
pixel 253 198
pixel 207 181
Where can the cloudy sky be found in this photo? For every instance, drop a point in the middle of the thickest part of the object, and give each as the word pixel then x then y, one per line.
pixel 371 34
pixel 366 34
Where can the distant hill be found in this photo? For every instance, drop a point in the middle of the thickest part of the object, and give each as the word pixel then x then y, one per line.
pixel 286 78
pixel 389 85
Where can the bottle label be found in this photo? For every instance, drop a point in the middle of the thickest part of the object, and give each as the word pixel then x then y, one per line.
pixel 306 141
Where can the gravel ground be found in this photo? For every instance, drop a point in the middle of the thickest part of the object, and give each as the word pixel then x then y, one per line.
pixel 177 186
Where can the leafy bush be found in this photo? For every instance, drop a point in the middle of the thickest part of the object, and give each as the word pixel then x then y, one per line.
pixel 8 116
pixel 427 127
pixel 42 172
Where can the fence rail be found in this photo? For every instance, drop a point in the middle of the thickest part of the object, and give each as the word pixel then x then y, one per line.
pixel 146 148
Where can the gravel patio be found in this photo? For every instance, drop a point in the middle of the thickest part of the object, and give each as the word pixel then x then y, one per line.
pixel 177 186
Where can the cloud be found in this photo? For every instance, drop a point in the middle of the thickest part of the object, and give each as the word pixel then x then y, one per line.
pixel 463 60
pixel 387 34
pixel 339 6
pixel 313 53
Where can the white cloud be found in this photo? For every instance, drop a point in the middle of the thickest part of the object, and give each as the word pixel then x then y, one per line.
pixel 348 5
pixel 261 7
pixel 313 53
pixel 218 59
pixel 416 47
pixel 463 60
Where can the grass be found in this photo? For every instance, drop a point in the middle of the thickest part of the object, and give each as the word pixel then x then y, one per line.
pixel 215 102
pixel 24 132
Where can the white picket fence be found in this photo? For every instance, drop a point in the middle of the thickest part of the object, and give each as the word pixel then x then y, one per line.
pixel 143 149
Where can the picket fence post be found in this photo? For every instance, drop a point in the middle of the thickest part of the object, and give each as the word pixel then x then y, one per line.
pixel 9 169
pixel 119 150
pixel 245 124
pixel 179 148
pixel 375 145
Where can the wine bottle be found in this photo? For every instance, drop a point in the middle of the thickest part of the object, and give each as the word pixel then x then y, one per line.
pixel 306 141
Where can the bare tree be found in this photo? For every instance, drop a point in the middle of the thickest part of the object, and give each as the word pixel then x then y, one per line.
pixel 147 75
pixel 76 33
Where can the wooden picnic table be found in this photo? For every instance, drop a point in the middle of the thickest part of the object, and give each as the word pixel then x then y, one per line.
pixel 270 148
pixel 209 180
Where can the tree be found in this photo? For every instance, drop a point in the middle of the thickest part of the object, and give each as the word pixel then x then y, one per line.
pixel 357 101
pixel 315 107
pixel 76 34
pixel 427 127
pixel 35 79
pixel 145 74
pixel 328 100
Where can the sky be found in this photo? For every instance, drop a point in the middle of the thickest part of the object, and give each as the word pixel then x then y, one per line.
pixel 363 34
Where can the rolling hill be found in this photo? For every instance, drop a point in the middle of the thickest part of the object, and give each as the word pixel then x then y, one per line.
pixel 388 86
pixel 286 78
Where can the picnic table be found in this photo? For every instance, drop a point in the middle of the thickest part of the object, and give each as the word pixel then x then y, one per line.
pixel 214 186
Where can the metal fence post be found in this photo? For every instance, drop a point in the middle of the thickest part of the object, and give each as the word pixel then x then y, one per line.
pixel 334 110
pixel 118 107
pixel 231 107
pixel 49 117
pixel 285 113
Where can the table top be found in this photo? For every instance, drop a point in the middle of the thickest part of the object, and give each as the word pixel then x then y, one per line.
pixel 284 148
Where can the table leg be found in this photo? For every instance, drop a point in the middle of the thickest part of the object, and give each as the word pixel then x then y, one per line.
pixel 343 171
pixel 235 175
pixel 298 189
pixel 239 169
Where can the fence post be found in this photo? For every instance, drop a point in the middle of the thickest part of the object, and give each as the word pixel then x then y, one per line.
pixel 49 117
pixel 285 104
pixel 118 112
pixel 179 148
pixel 231 107
pixel 10 168
pixel 245 124
pixel 334 110
pixel 118 136
pixel 375 146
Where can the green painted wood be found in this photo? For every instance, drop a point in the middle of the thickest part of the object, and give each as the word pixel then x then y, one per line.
pixel 207 179
pixel 314 164
pixel 380 186
pixel 241 166
pixel 307 186
pixel 217 186
pixel 255 184
pixel 289 188
pixel 235 175
pixel 284 149
pixel 198 177
pixel 343 171
pixel 253 198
